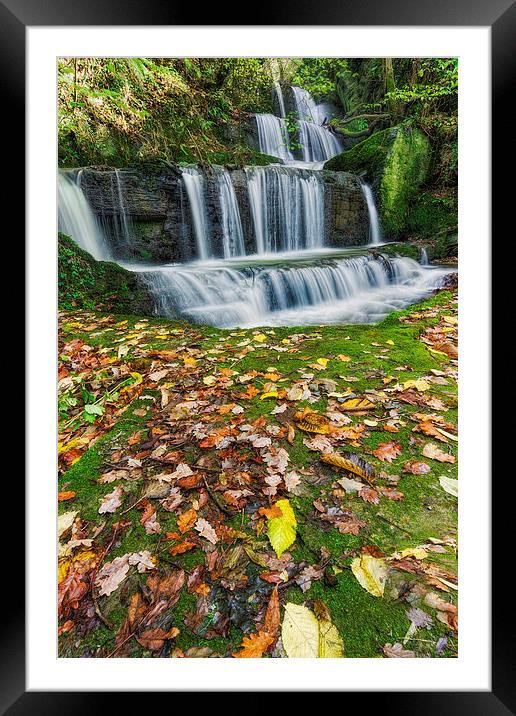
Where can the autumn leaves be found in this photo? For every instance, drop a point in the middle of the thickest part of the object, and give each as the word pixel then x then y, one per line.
pixel 197 522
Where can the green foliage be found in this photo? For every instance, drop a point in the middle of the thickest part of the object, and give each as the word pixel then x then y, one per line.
pixel 84 283
pixel 119 111
pixel 320 75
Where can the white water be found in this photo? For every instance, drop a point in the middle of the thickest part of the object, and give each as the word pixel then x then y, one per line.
pixel 304 291
pixel 318 143
pixel 423 260
pixel 287 208
pixel 375 233
pixel 306 106
pixel 281 101
pixel 76 219
pixel 194 186
pixel 273 136
pixel 233 235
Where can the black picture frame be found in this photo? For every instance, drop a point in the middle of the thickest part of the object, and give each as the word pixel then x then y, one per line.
pixel 500 16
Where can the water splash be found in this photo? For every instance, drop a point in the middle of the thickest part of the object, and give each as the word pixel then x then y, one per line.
pixel 302 292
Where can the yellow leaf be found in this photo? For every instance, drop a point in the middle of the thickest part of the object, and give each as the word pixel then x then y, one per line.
pixel 189 361
pixel 137 377
pixel 313 423
pixel 282 530
pixel 416 552
pixel 331 645
pixel 260 337
pixel 451 319
pixel 323 361
pixel 300 632
pixel 371 573
pixel 270 394
pixel 419 384
pixel 357 404
pixel 391 343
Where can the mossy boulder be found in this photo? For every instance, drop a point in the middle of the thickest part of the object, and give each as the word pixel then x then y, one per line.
pixel 84 283
pixel 396 162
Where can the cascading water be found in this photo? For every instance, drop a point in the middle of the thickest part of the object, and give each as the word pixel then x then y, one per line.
pixel 287 207
pixel 76 219
pixel 292 292
pixel 233 235
pixel 273 136
pixel 318 143
pixel 279 97
pixel 194 185
pixel 375 234
pixel 276 269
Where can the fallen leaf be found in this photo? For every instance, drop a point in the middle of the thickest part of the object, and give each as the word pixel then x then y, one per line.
pixel 204 528
pixel 387 451
pixel 371 573
pixel 282 530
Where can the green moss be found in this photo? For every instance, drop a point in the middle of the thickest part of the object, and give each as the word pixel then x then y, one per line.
pixel 396 161
pixel 405 169
pixel 433 218
pixel 84 283
pixel 367 156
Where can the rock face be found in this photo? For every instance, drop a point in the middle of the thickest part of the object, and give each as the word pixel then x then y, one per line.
pixel 395 162
pixel 147 216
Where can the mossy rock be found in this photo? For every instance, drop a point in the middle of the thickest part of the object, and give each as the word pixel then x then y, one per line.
pixel 84 283
pixel 396 162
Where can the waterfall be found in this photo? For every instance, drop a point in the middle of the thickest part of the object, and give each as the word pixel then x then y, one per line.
pixel 281 101
pixel 287 208
pixel 273 136
pixel 423 260
pixel 352 290
pixel 318 143
pixel 375 234
pixel 194 185
pixel 306 107
pixel 122 224
pixel 233 235
pixel 76 219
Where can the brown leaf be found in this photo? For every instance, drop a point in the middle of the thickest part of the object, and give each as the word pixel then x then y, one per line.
pixel 387 451
pixel 435 453
pixel 154 639
pixel 272 615
pixel 416 468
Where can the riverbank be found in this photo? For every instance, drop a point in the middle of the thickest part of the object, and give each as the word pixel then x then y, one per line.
pixel 177 440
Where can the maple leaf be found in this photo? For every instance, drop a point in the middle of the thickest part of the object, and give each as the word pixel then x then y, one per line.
pixel 387 451
pixel 369 495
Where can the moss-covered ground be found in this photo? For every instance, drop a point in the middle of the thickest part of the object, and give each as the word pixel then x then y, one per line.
pixel 212 369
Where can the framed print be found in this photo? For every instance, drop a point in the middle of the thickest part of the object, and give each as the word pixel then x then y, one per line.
pixel 258 303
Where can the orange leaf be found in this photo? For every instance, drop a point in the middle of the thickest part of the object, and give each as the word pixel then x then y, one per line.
pixel 253 646
pixel 387 451
pixel 187 520
pixel 62 496
pixel 182 547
